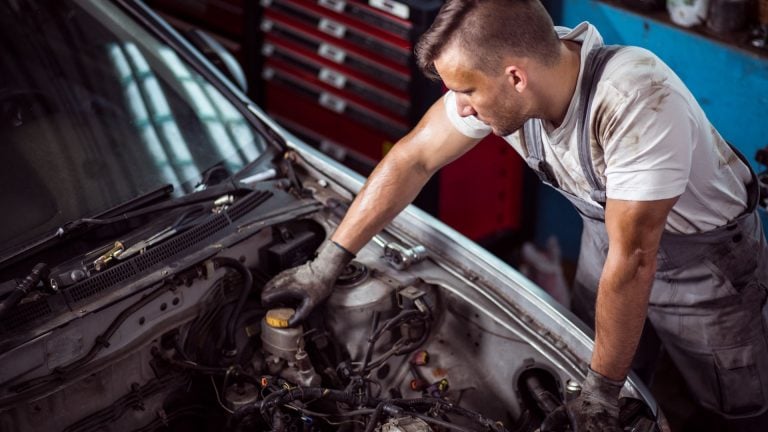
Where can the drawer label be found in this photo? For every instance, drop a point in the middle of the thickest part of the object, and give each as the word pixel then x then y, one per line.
pixel 332 77
pixel 334 5
pixel 393 7
pixel 332 102
pixel 332 28
pixel 331 53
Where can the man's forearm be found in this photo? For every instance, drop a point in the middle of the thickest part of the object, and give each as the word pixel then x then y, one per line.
pixel 391 187
pixel 622 303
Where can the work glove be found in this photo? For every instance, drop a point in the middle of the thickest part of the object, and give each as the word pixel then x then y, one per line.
pixel 309 283
pixel 596 409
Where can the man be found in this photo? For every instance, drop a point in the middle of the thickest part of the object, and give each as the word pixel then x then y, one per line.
pixel 666 203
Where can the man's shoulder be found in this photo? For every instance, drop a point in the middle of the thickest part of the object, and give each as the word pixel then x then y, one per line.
pixel 634 68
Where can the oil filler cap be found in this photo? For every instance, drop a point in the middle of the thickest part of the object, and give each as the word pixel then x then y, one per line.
pixel 278 318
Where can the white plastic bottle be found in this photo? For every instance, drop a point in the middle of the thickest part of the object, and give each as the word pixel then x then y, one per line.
pixel 688 13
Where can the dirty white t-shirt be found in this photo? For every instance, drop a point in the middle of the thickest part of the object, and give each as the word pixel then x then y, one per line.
pixel 649 137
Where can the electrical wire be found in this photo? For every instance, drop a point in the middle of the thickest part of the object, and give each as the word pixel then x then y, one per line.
pixel 231 345
pixel 441 423
pixel 401 346
pixel 218 397
pixel 100 342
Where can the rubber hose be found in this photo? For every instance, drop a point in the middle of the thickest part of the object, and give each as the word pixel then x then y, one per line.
pixel 230 344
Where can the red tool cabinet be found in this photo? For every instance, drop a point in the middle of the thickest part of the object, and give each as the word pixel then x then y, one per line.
pixel 341 74
pixel 344 70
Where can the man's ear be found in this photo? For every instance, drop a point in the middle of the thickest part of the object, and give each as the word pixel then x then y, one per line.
pixel 517 77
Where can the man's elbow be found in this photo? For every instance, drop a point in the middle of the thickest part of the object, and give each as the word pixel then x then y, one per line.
pixel 644 263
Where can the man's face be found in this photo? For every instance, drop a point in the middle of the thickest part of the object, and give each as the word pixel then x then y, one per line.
pixel 491 98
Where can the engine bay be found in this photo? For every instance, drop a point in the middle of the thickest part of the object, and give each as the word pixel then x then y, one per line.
pixel 406 342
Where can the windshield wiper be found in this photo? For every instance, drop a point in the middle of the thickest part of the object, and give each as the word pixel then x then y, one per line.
pixel 208 194
pixel 132 209
pixel 48 240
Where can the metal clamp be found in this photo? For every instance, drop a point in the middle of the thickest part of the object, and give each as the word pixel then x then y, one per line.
pixel 400 258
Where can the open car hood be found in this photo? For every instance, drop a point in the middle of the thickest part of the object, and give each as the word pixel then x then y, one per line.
pixel 424 331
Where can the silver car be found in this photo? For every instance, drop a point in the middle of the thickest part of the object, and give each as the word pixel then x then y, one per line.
pixel 147 201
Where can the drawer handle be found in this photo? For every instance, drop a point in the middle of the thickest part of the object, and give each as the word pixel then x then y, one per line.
pixel 331 53
pixel 395 8
pixel 267 50
pixel 332 103
pixel 332 28
pixel 332 77
pixel 268 74
pixel 334 5
pixel 266 25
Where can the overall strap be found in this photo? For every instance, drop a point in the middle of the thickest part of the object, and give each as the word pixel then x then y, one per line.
pixel 536 159
pixel 753 187
pixel 593 69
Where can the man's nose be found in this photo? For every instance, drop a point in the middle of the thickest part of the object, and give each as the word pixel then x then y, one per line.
pixel 463 106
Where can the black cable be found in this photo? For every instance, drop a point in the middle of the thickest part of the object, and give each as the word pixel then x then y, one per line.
pixel 545 400
pixel 441 423
pixel 371 341
pixel 280 397
pixel 22 289
pixel 231 345
pixel 201 325
pixel 204 196
pixel 235 371
pixel 401 349
pixel 98 420
pixel 100 342
pixel 453 408
pixel 398 349
pixel 374 420
pixel 204 412
pixel 393 408
pixel 392 322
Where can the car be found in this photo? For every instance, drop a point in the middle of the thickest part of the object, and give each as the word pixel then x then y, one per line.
pixel 148 201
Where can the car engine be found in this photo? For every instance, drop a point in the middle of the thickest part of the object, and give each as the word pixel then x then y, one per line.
pixel 175 338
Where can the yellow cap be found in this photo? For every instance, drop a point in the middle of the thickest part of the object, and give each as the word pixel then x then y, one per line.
pixel 278 318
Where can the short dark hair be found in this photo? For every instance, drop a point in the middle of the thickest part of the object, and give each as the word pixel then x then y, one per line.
pixel 490 29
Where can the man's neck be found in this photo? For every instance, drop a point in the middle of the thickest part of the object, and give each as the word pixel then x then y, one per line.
pixel 561 83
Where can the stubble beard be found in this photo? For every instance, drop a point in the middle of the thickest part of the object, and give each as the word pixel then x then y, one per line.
pixel 508 128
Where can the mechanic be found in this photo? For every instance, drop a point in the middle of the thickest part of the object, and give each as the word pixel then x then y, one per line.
pixel 671 230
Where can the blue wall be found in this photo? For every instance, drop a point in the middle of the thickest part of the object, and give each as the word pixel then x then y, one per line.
pixel 731 84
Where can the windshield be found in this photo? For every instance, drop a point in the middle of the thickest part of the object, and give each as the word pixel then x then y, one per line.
pixel 95 111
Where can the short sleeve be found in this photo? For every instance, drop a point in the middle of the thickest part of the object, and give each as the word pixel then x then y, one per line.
pixel 469 126
pixel 649 146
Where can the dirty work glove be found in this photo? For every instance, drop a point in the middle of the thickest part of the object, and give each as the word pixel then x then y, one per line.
pixel 596 409
pixel 309 283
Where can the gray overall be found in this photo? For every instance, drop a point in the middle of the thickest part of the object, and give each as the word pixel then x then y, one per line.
pixel 709 291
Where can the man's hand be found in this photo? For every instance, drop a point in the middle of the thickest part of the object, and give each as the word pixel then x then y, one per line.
pixel 595 410
pixel 309 283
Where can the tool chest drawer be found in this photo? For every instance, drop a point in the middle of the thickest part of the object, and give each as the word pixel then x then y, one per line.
pixel 340 79
pixel 343 27
pixel 346 105
pixel 284 28
pixel 354 135
pixel 349 62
